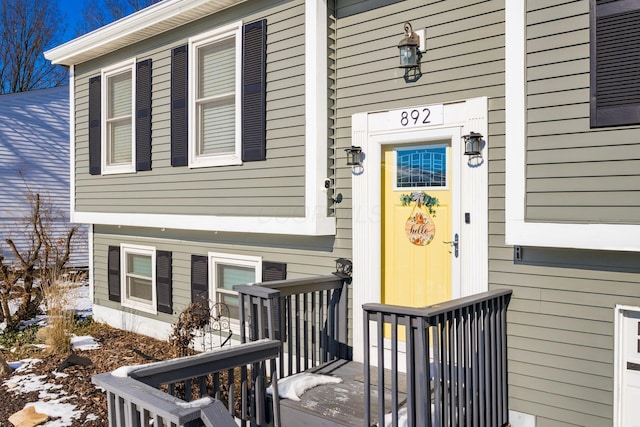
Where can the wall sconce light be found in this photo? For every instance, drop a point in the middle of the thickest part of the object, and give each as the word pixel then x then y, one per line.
pixel 472 144
pixel 344 269
pixel 410 54
pixel 354 157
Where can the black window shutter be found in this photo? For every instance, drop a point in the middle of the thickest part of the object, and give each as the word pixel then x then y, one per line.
pixel 113 273
pixel 179 107
pixel 163 282
pixel 615 63
pixel 199 279
pixel 254 46
pixel 272 271
pixel 143 115
pixel 95 118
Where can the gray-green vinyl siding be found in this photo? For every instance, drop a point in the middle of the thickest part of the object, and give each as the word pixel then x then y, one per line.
pixel 304 256
pixel 274 187
pixel 574 174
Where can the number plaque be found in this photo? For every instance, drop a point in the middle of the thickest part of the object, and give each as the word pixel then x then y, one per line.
pixel 428 115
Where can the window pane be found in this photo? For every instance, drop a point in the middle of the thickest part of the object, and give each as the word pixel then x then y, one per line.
pixel 232 304
pixel 217 127
pixel 229 275
pixel 120 95
pixel 120 142
pixel 421 167
pixel 139 289
pixel 139 264
pixel 216 63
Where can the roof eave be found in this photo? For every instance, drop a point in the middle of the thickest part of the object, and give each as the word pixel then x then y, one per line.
pixel 133 28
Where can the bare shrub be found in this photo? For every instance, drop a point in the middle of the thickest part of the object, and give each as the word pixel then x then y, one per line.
pixel 194 316
pixel 38 265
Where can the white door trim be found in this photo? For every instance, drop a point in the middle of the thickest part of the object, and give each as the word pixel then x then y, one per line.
pixel 372 130
pixel 619 360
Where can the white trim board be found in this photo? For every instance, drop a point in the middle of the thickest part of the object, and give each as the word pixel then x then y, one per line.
pixel 373 130
pixel 519 231
pixel 316 221
pixel 618 359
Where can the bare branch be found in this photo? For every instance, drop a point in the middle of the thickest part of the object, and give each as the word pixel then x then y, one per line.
pixel 27 29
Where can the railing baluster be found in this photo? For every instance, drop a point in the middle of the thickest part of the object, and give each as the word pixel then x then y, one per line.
pixel 437 373
pixel 467 365
pixel 394 370
pixel 297 329
pixel 422 372
pixel 313 329
pixel 494 365
pixel 381 411
pixel 323 343
pixel 367 371
pixel 412 400
pixel 459 367
pixel 305 304
pixel 289 337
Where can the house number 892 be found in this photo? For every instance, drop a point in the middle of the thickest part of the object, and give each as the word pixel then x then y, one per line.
pixel 415 117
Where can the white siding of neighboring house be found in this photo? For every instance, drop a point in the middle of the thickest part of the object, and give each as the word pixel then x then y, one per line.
pixel 34 155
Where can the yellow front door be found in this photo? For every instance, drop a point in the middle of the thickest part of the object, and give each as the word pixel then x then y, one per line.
pixel 412 274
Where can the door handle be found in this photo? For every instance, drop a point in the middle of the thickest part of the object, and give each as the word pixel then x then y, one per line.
pixel 454 244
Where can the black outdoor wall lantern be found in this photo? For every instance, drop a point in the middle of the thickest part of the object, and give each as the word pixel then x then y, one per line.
pixel 410 54
pixel 472 144
pixel 354 156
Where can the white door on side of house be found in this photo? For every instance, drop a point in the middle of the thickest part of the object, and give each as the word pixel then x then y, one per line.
pixel 630 370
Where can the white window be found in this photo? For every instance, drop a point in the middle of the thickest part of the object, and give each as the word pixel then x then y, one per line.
pixel 226 271
pixel 138 279
pixel 118 125
pixel 214 97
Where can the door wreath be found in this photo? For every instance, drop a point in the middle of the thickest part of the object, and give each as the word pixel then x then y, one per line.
pixel 420 228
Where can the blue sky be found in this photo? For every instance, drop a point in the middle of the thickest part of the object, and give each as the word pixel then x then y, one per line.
pixel 72 9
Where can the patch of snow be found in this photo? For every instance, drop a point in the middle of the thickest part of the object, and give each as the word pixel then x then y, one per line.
pixel 51 396
pixel 205 401
pixel 123 371
pixel 22 364
pixel 402 418
pixel 294 386
pixel 56 408
pixel 85 342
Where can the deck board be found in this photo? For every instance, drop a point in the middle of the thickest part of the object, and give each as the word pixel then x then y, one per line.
pixel 338 404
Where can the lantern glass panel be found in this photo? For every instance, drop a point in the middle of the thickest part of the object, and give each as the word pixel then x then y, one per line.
pixel 408 56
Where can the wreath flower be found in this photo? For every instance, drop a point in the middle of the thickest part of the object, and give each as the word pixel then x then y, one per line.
pixel 420 198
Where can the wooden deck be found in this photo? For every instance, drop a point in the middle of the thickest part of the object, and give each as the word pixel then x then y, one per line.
pixel 337 404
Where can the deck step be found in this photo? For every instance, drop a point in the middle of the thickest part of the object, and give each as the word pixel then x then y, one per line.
pixel 333 405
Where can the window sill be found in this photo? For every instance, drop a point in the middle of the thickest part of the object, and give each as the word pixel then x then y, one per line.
pixel 140 307
pixel 205 162
pixel 118 170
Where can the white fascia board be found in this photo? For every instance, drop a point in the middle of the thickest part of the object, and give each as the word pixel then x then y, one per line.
pixel 519 231
pixel 303 226
pixel 107 37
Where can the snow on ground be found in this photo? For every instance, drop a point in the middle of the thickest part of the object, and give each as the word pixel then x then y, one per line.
pixel 53 399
